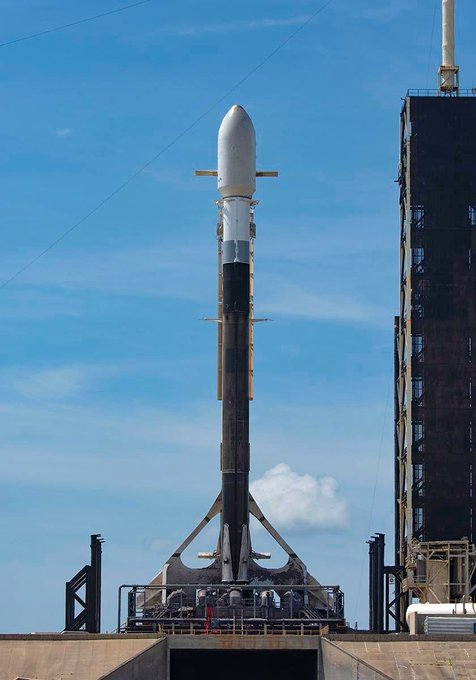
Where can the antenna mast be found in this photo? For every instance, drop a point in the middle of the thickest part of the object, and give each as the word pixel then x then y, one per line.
pixel 448 73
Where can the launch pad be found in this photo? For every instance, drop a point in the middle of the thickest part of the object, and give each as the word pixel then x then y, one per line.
pixel 234 592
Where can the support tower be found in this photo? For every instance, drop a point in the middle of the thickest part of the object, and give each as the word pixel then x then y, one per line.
pixel 435 336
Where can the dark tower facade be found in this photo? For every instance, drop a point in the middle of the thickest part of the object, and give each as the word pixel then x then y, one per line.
pixel 435 345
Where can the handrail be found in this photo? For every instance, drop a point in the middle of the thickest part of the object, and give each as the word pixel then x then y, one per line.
pixel 333 594
pixel 426 92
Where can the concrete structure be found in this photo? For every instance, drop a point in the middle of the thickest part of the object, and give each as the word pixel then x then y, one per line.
pixel 82 657
pixel 308 657
pixel 403 656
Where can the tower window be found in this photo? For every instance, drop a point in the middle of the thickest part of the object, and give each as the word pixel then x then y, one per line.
pixel 417 520
pixel 417 431
pixel 472 215
pixel 417 387
pixel 418 256
pixel 418 217
pixel 418 479
pixel 418 307
pixel 418 310
pixel 417 345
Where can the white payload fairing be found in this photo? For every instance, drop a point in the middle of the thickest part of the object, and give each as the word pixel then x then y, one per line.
pixel 236 182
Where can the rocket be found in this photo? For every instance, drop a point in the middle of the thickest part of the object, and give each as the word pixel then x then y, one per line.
pixel 236 174
pixel 236 184
pixel 234 563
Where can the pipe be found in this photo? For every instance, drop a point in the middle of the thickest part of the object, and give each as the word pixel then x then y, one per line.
pixel 448 68
pixel 449 33
pixel 442 608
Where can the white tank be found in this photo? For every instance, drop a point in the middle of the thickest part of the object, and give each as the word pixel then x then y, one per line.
pixel 445 608
pixel 236 155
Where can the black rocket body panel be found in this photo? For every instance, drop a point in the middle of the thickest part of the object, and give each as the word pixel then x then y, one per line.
pixel 235 453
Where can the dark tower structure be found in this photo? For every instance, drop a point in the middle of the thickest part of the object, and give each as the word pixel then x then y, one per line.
pixel 435 375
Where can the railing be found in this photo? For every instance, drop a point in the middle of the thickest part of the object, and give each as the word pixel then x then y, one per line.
pixel 436 93
pixel 237 626
pixel 252 609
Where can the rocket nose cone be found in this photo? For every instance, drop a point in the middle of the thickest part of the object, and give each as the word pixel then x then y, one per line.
pixel 237 110
pixel 236 154
pixel 236 119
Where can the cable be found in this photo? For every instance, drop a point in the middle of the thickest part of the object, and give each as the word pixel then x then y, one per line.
pixel 372 503
pixel 73 23
pixel 165 148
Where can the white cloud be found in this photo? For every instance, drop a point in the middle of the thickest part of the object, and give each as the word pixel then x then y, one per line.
pixel 295 300
pixel 36 304
pixel 234 26
pixel 64 132
pixel 387 10
pixel 59 381
pixel 299 502
pixel 51 383
pixel 57 444
pixel 154 271
pixel 61 445
pixel 46 383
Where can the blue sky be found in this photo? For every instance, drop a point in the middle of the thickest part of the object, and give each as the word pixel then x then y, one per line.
pixel 107 390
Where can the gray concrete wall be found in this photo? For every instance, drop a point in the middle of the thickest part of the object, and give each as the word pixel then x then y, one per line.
pixel 418 657
pixel 338 664
pixel 244 642
pixel 151 664
pixel 82 657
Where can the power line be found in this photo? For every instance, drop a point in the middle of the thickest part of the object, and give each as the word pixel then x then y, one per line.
pixel 73 23
pixel 374 492
pixel 165 148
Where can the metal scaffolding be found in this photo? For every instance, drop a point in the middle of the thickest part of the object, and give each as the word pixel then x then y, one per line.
pixel 440 571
